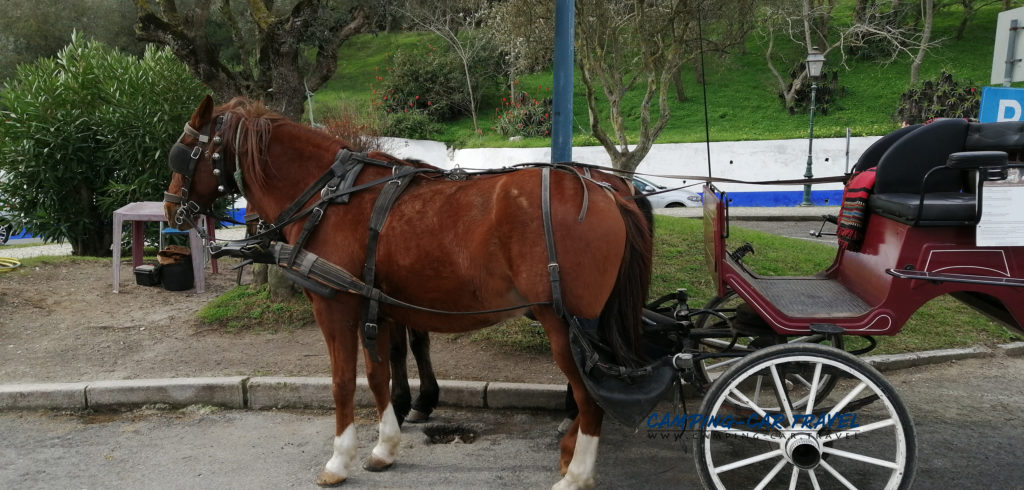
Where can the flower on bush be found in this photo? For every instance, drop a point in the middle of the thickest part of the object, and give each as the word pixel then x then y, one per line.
pixel 523 115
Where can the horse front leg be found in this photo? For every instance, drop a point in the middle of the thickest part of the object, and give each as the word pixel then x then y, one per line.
pixel 378 376
pixel 430 392
pixel 342 343
pixel 578 458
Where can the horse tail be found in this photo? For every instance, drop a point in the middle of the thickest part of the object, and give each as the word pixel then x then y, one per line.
pixel 620 324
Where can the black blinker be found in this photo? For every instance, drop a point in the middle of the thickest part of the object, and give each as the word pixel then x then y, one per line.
pixel 179 159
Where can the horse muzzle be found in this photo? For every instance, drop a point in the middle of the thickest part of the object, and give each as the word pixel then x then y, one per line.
pixel 180 213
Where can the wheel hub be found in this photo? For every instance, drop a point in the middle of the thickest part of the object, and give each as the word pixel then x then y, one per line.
pixel 803 450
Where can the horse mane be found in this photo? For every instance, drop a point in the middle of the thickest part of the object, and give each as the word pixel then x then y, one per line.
pixel 251 134
pixel 253 124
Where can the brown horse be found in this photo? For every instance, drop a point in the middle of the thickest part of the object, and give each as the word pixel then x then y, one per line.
pixel 405 340
pixel 473 244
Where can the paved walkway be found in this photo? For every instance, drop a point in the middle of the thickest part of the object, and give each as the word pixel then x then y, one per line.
pixel 35 248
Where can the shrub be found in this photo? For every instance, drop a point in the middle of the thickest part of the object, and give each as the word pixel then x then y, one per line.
pixel 426 81
pixel 432 80
pixel 523 115
pixel 941 97
pixel 361 131
pixel 88 132
pixel 410 124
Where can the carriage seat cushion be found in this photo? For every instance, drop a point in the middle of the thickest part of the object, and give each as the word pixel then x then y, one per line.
pixel 940 208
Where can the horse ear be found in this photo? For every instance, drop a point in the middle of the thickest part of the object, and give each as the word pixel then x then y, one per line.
pixel 203 113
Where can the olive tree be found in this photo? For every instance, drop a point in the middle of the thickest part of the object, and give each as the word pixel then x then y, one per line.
pixel 641 44
pixel 87 132
pixel 31 29
pixel 262 49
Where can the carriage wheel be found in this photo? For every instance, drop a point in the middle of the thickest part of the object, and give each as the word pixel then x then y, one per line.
pixel 708 370
pixel 858 436
pixel 6 230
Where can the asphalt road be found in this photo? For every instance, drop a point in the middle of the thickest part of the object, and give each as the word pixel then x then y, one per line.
pixel 792 229
pixel 965 414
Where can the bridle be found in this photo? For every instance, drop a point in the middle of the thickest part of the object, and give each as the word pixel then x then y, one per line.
pixel 183 160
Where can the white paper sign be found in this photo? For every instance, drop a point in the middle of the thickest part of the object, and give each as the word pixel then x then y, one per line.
pixel 1002 212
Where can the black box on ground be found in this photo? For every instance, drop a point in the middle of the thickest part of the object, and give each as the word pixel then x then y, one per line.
pixel 147 275
pixel 177 277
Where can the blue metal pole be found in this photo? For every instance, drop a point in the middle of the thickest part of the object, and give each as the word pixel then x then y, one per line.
pixel 561 121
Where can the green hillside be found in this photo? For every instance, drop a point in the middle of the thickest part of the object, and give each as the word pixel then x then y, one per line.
pixel 742 102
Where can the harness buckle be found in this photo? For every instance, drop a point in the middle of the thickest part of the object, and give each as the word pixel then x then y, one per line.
pixel 196 151
pixel 370 331
pixel 317 214
pixel 327 192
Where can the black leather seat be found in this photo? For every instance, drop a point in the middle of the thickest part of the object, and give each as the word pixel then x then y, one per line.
pixel 901 178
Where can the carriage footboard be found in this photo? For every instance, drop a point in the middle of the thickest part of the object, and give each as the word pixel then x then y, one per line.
pixel 801 297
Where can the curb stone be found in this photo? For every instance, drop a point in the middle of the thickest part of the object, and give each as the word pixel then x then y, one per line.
pixel 1015 349
pixel 315 392
pixel 42 395
pixel 892 362
pixel 226 392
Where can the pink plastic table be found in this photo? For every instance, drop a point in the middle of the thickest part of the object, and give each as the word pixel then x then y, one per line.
pixel 141 212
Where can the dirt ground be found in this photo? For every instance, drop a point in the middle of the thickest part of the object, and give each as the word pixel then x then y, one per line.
pixel 63 323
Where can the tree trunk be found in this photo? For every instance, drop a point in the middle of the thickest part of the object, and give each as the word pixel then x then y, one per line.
pixel 281 288
pixel 277 77
pixel 259 274
pixel 965 18
pixel 677 81
pixel 926 34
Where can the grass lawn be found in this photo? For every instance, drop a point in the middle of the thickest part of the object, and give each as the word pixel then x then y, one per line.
pixel 741 94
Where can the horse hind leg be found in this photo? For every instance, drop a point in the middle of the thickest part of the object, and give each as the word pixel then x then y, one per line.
pixel 401 394
pixel 578 458
pixel 389 433
pixel 430 392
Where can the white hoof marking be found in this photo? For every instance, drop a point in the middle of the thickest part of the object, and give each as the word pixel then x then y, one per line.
pixel 389 437
pixel 581 468
pixel 344 453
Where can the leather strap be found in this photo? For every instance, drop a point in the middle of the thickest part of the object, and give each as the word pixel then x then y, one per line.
pixel 381 209
pixel 549 240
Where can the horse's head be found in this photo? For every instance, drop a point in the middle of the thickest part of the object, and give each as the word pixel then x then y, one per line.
pixel 202 171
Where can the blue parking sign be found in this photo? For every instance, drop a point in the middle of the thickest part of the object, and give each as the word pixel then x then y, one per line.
pixel 1001 104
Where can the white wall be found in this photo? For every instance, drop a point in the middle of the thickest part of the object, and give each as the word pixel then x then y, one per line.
pixel 744 160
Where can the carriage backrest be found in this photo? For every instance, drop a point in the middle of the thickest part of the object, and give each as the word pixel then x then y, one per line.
pixel 873 154
pixel 902 168
pixel 1005 136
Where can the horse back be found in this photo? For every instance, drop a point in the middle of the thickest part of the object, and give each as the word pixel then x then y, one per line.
pixel 484 239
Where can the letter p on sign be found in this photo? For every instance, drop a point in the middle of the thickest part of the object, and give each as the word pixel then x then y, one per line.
pixel 1009 110
pixel 1001 104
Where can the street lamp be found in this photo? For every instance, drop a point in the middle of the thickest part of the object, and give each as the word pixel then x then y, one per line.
pixel 815 61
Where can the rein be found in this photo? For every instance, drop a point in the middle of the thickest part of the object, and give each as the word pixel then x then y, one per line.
pixel 699 178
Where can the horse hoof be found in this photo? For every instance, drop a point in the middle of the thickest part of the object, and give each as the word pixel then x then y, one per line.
pixel 328 479
pixel 570 483
pixel 373 463
pixel 417 417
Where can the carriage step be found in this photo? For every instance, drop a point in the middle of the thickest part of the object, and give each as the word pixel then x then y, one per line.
pixel 810 297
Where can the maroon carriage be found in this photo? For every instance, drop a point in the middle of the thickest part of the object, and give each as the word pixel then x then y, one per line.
pixel 942 218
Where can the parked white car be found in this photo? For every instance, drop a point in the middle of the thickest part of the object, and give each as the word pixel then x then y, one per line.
pixel 677 198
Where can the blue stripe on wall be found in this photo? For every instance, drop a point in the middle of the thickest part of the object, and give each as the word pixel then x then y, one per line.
pixel 784 198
